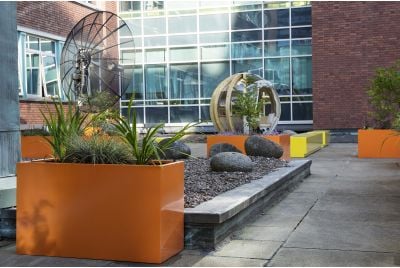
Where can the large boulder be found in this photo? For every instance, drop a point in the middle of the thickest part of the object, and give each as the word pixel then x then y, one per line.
pixel 223 147
pixel 258 146
pixel 176 150
pixel 231 161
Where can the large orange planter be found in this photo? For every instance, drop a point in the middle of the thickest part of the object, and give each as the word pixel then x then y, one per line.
pixel 112 212
pixel 239 140
pixel 35 147
pixel 378 143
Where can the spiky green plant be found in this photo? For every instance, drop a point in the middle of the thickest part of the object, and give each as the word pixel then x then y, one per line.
pixel 62 125
pixel 147 148
pixel 97 150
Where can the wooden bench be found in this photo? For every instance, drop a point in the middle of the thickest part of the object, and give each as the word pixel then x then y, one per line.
pixel 304 144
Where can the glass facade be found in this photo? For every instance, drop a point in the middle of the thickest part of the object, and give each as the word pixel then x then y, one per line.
pixel 184 49
pixel 38 66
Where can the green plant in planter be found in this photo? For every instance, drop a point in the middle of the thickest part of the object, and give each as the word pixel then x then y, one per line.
pixel 384 95
pixel 97 150
pixel 246 103
pixel 63 124
pixel 147 148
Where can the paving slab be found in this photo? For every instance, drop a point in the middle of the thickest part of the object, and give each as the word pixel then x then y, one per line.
pixel 278 220
pixel 314 233
pixel 371 168
pixel 294 209
pixel 332 258
pixel 380 186
pixel 353 202
pixel 379 218
pixel 214 261
pixel 263 233
pixel 312 187
pixel 248 249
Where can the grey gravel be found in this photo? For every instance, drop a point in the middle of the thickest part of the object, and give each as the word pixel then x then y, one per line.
pixel 202 184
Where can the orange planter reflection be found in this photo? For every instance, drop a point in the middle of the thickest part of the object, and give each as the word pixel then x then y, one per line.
pixel 378 143
pixel 35 147
pixel 239 140
pixel 114 212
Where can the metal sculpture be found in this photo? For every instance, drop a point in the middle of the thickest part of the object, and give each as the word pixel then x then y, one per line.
pixel 223 101
pixel 90 69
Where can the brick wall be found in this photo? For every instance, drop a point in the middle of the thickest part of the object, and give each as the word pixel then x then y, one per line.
pixel 350 40
pixel 54 17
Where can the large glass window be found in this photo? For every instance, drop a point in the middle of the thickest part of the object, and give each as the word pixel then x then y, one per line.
pixel 155 115
pixel 212 74
pixel 214 52
pixel 40 67
pixel 183 54
pixel 182 24
pixel 190 47
pixel 135 88
pixel 276 48
pixel 301 16
pixel 184 114
pixel 276 18
pixel 301 47
pixel 214 38
pixel 273 34
pixel 302 75
pixel 246 20
pixel 250 66
pixel 246 50
pixel 154 26
pixel 156 82
pixel 129 6
pixel 182 39
pixel 277 70
pixel 214 22
pixel 242 36
pixel 183 81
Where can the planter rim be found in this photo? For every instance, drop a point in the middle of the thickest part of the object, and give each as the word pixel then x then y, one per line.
pixel 43 162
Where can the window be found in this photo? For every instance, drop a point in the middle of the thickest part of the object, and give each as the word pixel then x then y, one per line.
pixel 38 68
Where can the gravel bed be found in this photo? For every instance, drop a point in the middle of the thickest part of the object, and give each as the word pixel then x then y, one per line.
pixel 202 184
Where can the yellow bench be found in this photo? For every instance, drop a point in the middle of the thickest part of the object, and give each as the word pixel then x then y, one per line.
pixel 302 145
pixel 326 136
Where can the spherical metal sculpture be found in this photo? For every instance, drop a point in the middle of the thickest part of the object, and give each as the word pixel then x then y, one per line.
pixel 223 102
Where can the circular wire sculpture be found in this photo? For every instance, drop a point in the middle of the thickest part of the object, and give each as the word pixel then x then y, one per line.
pixel 90 71
pixel 223 102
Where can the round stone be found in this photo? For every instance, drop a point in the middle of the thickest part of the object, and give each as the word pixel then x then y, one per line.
pixel 258 146
pixel 223 147
pixel 231 161
pixel 176 150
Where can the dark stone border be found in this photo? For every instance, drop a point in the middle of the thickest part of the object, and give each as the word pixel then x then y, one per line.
pixel 212 221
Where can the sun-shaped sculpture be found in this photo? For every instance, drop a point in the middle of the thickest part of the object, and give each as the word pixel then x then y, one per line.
pixel 90 69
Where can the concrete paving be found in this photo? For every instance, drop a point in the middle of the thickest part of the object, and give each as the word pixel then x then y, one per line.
pixel 347 213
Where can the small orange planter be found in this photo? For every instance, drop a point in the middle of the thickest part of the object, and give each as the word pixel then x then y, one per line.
pixel 35 147
pixel 239 140
pixel 378 143
pixel 111 212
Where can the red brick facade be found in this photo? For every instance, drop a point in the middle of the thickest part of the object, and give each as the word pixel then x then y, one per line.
pixel 57 18
pixel 350 40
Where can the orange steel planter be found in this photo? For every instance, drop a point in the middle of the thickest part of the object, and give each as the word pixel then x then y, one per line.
pixel 113 212
pixel 378 143
pixel 238 141
pixel 35 147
